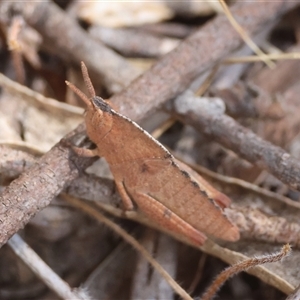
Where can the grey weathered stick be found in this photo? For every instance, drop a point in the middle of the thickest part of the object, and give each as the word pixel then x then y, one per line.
pixel 35 189
pixel 241 140
pixel 42 270
pixel 175 30
pixel 131 42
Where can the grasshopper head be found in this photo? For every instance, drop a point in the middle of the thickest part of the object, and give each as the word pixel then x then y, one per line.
pixel 98 116
pixel 98 119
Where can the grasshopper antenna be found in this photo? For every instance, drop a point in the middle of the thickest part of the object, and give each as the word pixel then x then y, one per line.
pixel 79 93
pixel 87 80
pixel 88 84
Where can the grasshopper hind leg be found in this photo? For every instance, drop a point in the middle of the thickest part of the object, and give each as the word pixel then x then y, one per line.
pixel 127 202
pixel 164 217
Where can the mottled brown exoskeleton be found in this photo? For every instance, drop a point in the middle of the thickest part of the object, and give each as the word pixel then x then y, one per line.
pixel 149 177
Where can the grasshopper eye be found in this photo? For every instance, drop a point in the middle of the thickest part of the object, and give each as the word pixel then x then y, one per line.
pixel 98 102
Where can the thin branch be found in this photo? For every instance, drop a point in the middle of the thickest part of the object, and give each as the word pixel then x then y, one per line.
pixel 208 117
pixel 36 187
pixel 257 226
pixel 42 270
pixel 134 42
pixel 37 99
pixel 172 74
pixel 244 184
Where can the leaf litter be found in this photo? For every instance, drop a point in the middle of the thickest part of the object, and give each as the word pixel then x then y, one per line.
pixel 33 123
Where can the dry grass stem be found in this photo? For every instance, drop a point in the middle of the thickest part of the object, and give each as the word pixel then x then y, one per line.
pixel 253 58
pixel 129 239
pixel 158 132
pixel 23 146
pixel 199 274
pixel 38 99
pixel 15 47
pixel 203 116
pixel 207 82
pixel 242 266
pixel 245 36
pixel 244 184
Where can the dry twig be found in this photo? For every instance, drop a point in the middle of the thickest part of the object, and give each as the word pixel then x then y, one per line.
pixel 132 42
pixel 244 35
pixel 39 186
pixel 202 115
pixel 175 71
pixel 242 266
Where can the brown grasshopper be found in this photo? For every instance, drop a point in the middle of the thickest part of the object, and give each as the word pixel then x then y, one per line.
pixel 148 176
